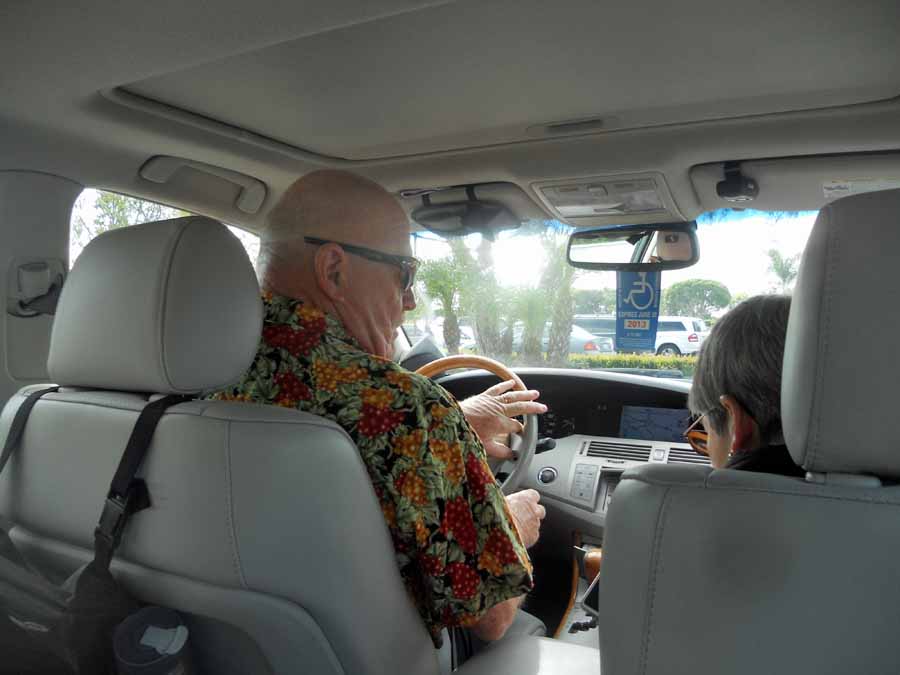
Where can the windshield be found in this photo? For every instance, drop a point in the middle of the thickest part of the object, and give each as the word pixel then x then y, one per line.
pixel 515 299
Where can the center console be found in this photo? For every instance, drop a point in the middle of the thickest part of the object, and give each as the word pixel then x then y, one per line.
pixel 583 470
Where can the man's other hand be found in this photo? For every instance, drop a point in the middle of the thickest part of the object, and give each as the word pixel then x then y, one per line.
pixel 490 415
pixel 528 513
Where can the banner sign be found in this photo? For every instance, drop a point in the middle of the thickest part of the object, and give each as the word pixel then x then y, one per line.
pixel 637 311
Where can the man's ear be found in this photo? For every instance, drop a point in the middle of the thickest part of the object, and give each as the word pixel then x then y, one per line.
pixel 331 271
pixel 744 430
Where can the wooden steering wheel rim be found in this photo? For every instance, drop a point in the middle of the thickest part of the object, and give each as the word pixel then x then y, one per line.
pixel 471 361
pixel 525 443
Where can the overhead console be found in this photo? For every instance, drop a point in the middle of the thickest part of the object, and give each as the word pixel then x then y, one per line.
pixel 796 184
pixel 609 200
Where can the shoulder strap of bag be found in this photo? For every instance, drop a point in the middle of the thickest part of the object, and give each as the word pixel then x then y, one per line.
pixel 127 494
pixel 17 428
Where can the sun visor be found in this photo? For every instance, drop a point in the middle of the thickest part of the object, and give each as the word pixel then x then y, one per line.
pixel 633 199
pixel 799 184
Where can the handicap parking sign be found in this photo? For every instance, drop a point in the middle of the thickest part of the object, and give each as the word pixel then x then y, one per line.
pixel 637 310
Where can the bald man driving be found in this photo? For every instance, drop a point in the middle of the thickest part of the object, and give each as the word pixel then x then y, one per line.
pixel 337 274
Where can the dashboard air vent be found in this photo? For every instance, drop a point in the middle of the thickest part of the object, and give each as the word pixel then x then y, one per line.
pixel 630 451
pixel 686 456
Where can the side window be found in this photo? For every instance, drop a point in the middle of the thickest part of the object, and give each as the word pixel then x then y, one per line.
pixel 671 326
pixel 97 211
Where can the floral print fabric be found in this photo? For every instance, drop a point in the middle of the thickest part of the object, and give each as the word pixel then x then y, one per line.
pixel 457 548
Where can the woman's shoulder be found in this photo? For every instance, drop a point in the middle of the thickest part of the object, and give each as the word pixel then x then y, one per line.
pixel 775 459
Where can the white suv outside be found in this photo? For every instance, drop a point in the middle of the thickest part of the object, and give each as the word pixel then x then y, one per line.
pixel 674 334
pixel 679 335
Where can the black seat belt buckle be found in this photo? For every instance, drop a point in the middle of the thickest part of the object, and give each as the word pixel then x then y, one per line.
pixel 118 509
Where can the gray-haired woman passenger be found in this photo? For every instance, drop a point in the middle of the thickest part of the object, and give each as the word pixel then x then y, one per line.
pixel 736 393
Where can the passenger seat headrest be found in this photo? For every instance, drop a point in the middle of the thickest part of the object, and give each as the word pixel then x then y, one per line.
pixel 167 307
pixel 840 399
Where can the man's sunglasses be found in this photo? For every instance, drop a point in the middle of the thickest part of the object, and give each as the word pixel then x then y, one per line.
pixel 697 436
pixel 407 264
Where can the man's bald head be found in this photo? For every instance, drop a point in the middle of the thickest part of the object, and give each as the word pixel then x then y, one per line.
pixel 339 206
pixel 369 296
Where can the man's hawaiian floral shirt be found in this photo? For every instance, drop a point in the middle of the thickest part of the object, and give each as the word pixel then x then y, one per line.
pixel 458 551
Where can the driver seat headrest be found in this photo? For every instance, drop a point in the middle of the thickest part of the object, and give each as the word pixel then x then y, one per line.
pixel 166 307
pixel 840 399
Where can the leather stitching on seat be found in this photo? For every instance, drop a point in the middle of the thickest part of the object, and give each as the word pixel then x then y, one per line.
pixel 164 299
pixel 229 512
pixel 831 254
pixel 655 567
pixel 306 420
pixel 57 398
pixel 787 493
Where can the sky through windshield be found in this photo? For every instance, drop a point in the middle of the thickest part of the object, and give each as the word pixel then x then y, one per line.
pixel 734 248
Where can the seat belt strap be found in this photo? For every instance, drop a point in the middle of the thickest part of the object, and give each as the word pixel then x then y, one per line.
pixel 127 494
pixel 17 428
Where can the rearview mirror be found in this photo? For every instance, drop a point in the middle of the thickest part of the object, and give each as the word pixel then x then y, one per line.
pixel 662 246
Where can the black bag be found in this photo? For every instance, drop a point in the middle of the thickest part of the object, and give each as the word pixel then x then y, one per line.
pixel 67 628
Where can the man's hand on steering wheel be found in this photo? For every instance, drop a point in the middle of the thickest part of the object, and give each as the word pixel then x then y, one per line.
pixel 490 414
pixel 523 443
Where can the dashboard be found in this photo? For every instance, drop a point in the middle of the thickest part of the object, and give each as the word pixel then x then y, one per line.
pixel 595 403
pixel 601 424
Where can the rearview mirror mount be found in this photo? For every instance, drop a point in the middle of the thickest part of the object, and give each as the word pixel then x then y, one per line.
pixel 461 218
pixel 635 248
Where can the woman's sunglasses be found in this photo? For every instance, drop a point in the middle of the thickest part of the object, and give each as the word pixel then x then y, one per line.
pixel 407 264
pixel 697 436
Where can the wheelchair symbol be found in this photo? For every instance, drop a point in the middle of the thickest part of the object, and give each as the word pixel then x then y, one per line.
pixel 641 295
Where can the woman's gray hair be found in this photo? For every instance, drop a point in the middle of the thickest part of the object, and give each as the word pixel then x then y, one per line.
pixel 743 357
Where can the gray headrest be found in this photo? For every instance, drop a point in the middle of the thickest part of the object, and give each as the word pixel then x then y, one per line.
pixel 840 399
pixel 167 307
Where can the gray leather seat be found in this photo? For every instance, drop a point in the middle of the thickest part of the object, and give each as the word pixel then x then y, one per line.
pixel 723 571
pixel 264 529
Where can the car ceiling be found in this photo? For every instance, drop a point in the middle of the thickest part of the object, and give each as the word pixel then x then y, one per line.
pixel 457 76
pixel 418 94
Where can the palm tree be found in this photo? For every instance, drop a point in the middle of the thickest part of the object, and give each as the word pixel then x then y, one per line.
pixel 783 267
pixel 557 281
pixel 531 308
pixel 442 281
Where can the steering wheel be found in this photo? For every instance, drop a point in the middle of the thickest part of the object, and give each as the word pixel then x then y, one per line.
pixel 523 445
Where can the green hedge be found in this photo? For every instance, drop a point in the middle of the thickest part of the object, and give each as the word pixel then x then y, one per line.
pixel 685 364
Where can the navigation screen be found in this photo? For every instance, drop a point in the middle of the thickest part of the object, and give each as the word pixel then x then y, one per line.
pixel 654 424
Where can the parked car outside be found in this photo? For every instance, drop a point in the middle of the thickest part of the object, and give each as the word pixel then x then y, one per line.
pixel 581 341
pixel 598 325
pixel 675 335
pixel 417 330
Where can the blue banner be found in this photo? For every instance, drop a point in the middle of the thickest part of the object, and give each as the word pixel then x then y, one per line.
pixel 637 310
